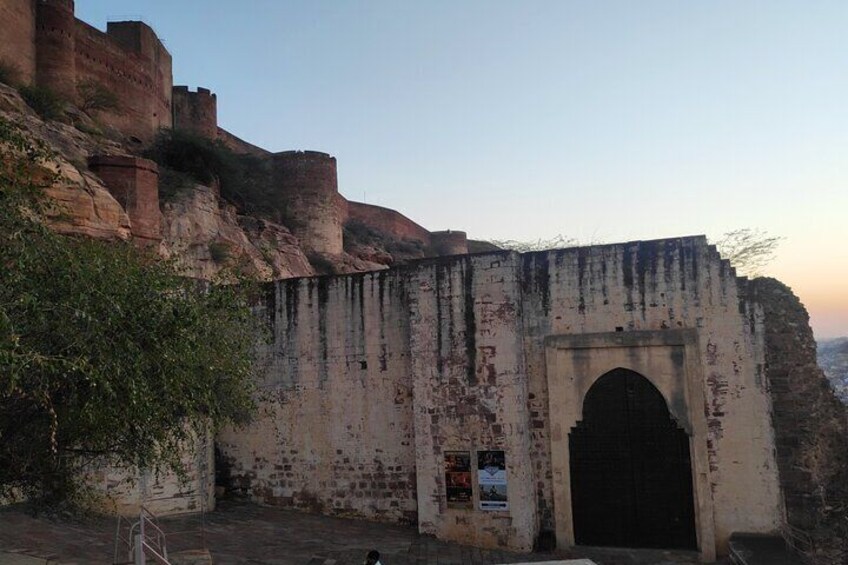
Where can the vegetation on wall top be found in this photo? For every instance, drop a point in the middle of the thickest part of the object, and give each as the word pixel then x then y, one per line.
pixel 244 180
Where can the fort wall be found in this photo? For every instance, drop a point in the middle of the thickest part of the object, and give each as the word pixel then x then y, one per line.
pixel 665 285
pixel 387 221
pixel 449 242
pixel 55 41
pixel 335 434
pixel 196 112
pixel 18 45
pixel 470 394
pixel 239 145
pixel 309 200
pixel 134 182
pixel 138 72
pixel 495 352
pixel 56 51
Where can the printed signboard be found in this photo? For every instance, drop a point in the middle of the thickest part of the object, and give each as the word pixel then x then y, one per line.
pixel 491 478
pixel 458 478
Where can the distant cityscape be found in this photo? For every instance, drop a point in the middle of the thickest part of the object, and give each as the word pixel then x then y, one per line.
pixel 833 359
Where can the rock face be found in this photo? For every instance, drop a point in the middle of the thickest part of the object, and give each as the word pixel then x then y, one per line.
pixel 810 424
pixel 207 236
pixel 83 205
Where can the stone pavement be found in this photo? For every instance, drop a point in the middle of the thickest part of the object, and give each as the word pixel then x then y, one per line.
pixel 240 533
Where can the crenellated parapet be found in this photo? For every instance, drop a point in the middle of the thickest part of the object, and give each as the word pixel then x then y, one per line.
pixel 195 111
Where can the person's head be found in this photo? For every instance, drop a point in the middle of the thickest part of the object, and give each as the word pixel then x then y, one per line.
pixel 373 557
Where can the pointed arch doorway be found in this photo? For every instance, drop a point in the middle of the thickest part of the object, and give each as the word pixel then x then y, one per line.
pixel 630 468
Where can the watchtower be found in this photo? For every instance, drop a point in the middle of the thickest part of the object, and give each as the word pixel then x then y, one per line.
pixel 195 111
pixel 55 46
pixel 309 200
pixel 449 242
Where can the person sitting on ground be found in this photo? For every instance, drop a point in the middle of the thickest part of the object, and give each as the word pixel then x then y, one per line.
pixel 373 558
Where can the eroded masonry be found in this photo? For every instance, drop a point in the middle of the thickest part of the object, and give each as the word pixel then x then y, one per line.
pixel 606 395
pixel 636 394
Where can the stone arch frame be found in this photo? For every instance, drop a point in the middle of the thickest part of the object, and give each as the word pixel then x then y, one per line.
pixel 669 360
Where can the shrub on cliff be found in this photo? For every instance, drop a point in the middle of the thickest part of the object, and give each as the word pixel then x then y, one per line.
pixel 244 180
pixel 10 73
pixel 105 353
pixel 44 101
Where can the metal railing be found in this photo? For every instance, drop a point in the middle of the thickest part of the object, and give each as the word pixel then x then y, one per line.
pixel 143 540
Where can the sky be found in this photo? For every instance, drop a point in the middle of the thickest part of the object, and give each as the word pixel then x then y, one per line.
pixel 602 121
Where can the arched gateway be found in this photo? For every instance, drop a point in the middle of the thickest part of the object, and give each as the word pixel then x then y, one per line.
pixel 631 478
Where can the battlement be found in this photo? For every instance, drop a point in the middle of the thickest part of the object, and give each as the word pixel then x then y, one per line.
pixel 303 156
pixel 195 111
pixel 199 91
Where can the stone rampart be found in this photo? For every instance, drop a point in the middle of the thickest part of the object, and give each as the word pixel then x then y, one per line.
pixel 18 31
pixel 336 431
pixel 137 72
pixel 134 182
pixel 196 112
pixel 309 200
pixel 387 221
pixel 239 145
pixel 376 377
pixel 449 242
pixel 55 50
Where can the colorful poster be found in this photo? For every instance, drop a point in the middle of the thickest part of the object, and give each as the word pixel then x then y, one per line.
pixel 458 478
pixel 491 478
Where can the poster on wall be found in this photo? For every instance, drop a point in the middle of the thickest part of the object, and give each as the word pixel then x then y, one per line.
pixel 458 478
pixel 491 478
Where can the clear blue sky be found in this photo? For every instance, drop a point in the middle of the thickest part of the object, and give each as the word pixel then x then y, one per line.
pixel 604 121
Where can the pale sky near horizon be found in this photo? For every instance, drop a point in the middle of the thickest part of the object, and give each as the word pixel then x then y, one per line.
pixel 599 120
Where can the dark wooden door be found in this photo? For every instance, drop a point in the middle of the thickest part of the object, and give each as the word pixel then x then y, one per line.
pixel 631 479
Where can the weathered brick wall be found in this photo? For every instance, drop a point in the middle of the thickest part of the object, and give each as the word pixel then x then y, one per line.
pixel 239 145
pixel 55 38
pixel 677 283
pixel 449 242
pixel 196 112
pixel 17 30
pixel 309 200
pixel 164 494
pixel 810 423
pixel 387 221
pixel 335 433
pixel 371 378
pixel 134 182
pixel 132 63
pixel 470 392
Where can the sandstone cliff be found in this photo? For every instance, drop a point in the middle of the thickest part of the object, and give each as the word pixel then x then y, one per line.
pixel 202 232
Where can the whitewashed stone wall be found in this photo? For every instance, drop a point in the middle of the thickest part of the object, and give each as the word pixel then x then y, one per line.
pixel 370 378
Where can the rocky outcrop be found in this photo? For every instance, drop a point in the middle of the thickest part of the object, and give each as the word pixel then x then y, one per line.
pixel 207 236
pixel 810 424
pixel 82 205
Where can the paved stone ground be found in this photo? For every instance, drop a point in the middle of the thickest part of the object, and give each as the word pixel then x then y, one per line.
pixel 241 534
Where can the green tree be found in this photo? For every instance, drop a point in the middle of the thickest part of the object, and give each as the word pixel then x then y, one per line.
pixel 94 96
pixel 105 353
